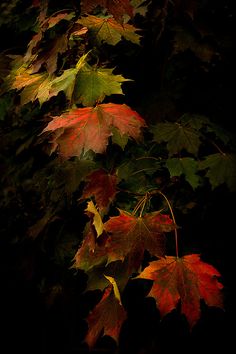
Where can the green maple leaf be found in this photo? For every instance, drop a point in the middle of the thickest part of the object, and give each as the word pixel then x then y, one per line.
pixel 108 30
pixel 93 84
pixel 221 169
pixel 186 166
pixel 178 137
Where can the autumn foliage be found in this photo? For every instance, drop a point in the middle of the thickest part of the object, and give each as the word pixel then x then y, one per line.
pixel 124 176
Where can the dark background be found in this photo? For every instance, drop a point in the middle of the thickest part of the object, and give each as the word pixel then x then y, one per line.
pixel 32 319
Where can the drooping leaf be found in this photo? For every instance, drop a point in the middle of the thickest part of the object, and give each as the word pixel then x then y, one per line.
pixel 178 137
pixel 186 166
pixel 108 30
pixel 106 318
pixel 90 254
pixel 102 186
pixel 94 83
pixel 117 8
pixel 88 128
pixel 66 82
pixel 132 235
pixel 35 86
pixel 221 169
pixel 187 280
pixel 97 220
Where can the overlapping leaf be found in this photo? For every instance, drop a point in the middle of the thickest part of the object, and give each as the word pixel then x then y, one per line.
pixel 90 254
pixel 88 128
pixel 221 168
pixel 132 235
pixel 117 8
pixel 186 166
pixel 108 30
pixel 107 317
pixel 187 280
pixel 96 218
pixel 94 83
pixel 102 186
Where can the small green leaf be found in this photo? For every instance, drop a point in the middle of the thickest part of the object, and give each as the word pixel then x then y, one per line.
pixel 221 169
pixel 186 166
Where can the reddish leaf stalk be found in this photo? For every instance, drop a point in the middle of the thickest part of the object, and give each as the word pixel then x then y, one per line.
pixel 173 218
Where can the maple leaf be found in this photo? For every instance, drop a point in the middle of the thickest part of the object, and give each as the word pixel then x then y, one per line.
pixel 187 280
pixel 88 128
pixel 94 83
pixel 186 166
pixel 131 234
pixel 107 317
pixel 178 137
pixel 97 220
pixel 108 30
pixel 35 86
pixel 102 186
pixel 117 8
pixel 221 169
pixel 49 56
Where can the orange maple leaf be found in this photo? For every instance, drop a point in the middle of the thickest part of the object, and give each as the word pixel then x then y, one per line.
pixel 187 280
pixel 82 129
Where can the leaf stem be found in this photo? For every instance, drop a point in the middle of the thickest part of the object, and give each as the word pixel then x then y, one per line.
pixel 173 218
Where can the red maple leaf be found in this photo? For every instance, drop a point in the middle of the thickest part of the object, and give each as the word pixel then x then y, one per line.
pixel 117 8
pixel 87 128
pixel 102 186
pixel 132 235
pixel 187 280
pixel 107 318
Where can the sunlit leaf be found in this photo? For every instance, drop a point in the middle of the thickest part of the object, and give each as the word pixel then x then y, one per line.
pixel 108 30
pixel 94 83
pixel 88 128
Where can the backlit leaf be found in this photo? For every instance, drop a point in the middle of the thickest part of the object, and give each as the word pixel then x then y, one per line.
pixel 186 280
pixel 97 220
pixel 108 30
pixel 88 128
pixel 94 83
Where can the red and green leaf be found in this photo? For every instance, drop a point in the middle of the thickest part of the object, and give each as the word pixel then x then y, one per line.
pixel 132 235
